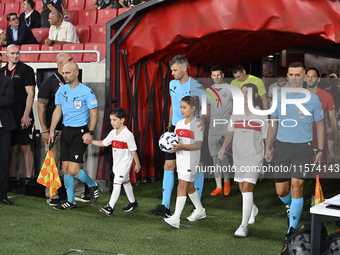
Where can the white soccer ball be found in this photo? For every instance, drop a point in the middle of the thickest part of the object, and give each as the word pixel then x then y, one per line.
pixel 166 140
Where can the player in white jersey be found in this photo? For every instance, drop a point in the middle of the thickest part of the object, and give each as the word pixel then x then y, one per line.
pixel 187 160
pixel 124 150
pixel 247 132
pixel 217 110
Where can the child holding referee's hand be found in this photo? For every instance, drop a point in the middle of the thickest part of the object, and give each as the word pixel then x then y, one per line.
pixel 124 150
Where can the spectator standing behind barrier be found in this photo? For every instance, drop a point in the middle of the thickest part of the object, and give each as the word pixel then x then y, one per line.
pixel 241 78
pixel 23 79
pixel 7 125
pixel 74 101
pixel 46 106
pixel 30 16
pixel 52 6
pixel 61 31
pixel 293 146
pixel 130 3
pixel 103 4
pixel 17 33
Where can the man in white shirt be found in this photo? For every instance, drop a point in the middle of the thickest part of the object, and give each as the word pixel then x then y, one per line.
pixel 61 31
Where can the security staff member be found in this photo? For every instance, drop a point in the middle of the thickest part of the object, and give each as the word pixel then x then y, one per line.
pixel 23 79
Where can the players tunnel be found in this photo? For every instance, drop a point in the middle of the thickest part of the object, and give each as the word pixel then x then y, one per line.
pixel 141 41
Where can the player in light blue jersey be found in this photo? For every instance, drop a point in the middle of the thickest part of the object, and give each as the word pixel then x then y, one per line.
pixel 181 86
pixel 75 102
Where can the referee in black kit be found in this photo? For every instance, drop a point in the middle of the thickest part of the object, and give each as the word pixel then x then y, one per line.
pixel 23 79
pixel 46 106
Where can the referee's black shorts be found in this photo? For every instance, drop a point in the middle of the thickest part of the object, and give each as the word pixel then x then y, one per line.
pixel 292 160
pixel 170 156
pixel 72 147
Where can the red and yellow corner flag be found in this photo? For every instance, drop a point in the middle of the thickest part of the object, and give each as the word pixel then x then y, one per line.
pixel 318 192
pixel 49 175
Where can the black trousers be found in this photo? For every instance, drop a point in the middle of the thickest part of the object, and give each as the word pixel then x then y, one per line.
pixel 5 148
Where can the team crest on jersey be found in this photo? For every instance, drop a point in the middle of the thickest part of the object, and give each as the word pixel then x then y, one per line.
pixel 77 104
pixel 301 115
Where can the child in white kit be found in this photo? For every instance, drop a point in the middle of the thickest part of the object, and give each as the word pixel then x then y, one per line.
pixel 188 153
pixel 124 150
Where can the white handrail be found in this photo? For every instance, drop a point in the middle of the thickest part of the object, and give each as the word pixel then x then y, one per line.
pixel 58 51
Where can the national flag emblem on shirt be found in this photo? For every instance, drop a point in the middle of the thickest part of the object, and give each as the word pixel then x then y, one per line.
pixel 49 175
pixel 229 148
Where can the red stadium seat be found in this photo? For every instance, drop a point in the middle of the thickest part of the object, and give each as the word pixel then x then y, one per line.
pixel 49 57
pixel 12 7
pixel 87 17
pixel 2 9
pixel 73 17
pixel 18 1
pixel 69 47
pixel 76 5
pixel 122 10
pixel 92 57
pixel 41 34
pixel 98 34
pixel 106 15
pixel 89 4
pixel 38 6
pixel 3 22
pixel 83 32
pixel 29 57
pixel 7 1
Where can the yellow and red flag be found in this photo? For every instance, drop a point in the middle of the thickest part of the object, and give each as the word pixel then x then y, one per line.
pixel 49 175
pixel 319 198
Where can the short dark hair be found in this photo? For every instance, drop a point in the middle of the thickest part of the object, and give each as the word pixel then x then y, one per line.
pixel 237 68
pixel 256 100
pixel 9 16
pixel 0 54
pixel 297 64
pixel 179 60
pixel 31 3
pixel 313 69
pixel 216 68
pixel 119 112
pixel 324 75
pixel 281 71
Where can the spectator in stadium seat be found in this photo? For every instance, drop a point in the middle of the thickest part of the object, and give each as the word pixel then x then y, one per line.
pixel 17 33
pixel 130 3
pixel 52 6
pixel 30 16
pixel 61 31
pixel 103 4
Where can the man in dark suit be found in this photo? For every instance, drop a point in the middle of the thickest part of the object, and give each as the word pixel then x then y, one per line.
pixel 30 16
pixel 7 124
pixel 17 33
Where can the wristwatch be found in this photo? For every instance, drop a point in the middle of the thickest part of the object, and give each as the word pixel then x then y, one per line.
pixel 91 132
pixel 321 150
